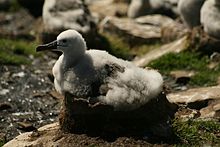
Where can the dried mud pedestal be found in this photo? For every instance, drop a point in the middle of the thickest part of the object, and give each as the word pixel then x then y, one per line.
pixel 152 120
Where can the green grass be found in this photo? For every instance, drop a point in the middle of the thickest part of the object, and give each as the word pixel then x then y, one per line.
pixel 197 132
pixel 143 49
pixel 118 47
pixel 2 142
pixel 191 61
pixel 16 52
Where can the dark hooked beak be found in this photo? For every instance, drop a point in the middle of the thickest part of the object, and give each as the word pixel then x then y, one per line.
pixel 49 46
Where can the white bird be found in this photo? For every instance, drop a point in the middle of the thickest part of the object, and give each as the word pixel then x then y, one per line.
pixel 97 75
pixel 210 18
pixel 190 12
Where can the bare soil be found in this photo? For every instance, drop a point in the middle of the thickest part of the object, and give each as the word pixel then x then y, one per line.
pixel 27 98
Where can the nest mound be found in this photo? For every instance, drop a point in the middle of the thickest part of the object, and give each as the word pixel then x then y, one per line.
pixel 82 116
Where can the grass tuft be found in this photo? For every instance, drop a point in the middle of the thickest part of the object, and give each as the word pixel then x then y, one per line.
pixel 116 46
pixel 16 52
pixel 197 132
pixel 2 142
pixel 188 61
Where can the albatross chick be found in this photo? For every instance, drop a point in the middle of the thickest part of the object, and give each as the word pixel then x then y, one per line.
pixel 97 75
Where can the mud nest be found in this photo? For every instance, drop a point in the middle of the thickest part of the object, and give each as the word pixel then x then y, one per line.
pixel 81 116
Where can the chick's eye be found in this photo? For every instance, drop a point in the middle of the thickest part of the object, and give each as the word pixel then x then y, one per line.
pixel 64 40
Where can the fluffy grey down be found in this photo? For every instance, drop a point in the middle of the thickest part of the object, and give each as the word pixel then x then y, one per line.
pixel 97 75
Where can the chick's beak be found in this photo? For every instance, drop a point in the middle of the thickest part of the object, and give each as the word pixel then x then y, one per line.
pixel 48 46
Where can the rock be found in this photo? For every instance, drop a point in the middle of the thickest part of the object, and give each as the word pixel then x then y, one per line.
pixel 156 20
pixel 181 76
pixel 212 110
pixel 24 126
pixel 69 14
pixel 33 6
pixel 205 99
pixel 18 75
pixel 4 91
pixel 175 46
pixel 145 29
pixel 133 31
pixel 92 117
pixel 193 95
pixel 189 11
pixel 24 139
pixel 50 136
pixel 144 7
pixel 102 8
pixel 170 30
pixel 210 18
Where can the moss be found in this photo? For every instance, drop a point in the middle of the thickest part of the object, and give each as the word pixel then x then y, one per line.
pixel 16 52
pixel 184 60
pixel 205 78
pixel 143 49
pixel 197 132
pixel 188 61
pixel 118 47
pixel 6 58
pixel 2 142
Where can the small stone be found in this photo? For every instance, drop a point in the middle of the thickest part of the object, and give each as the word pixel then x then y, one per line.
pixel 4 91
pixel 24 126
pixel 38 71
pixel 19 75
pixel 195 94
